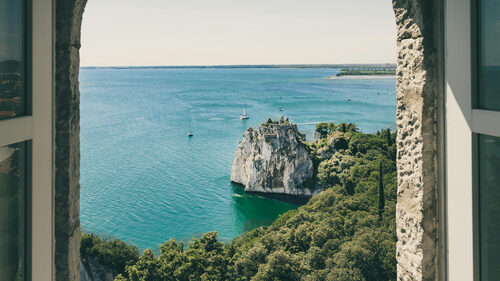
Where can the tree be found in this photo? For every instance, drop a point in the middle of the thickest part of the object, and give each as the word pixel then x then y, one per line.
pixel 340 143
pixel 332 127
pixel 351 127
pixel 342 127
pixel 388 137
pixel 381 199
pixel 349 186
pixel 146 269
pixel 322 128
pixel 114 254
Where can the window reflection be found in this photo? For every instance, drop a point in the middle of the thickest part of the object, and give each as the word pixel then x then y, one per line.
pixel 489 55
pixel 12 212
pixel 489 206
pixel 12 59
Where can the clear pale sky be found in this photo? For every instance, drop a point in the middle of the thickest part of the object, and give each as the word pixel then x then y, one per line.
pixel 222 32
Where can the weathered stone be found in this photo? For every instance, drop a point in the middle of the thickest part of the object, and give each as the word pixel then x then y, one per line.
pixel 317 137
pixel 67 141
pixel 273 159
pixel 418 88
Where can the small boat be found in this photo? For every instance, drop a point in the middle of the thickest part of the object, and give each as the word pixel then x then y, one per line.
pixel 280 108
pixel 244 115
pixel 348 99
pixel 190 134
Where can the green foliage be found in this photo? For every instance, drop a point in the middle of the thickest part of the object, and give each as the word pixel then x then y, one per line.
pixel 204 259
pixel 381 199
pixel 347 127
pixel 338 235
pixel 322 128
pixel 332 127
pixel 375 71
pixel 325 128
pixel 114 254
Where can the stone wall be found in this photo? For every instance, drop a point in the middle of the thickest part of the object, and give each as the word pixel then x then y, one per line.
pixel 417 90
pixel 67 139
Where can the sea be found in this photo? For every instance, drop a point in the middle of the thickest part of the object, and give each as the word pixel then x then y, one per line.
pixel 144 181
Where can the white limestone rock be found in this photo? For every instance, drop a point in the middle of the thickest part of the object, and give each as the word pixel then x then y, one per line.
pixel 273 159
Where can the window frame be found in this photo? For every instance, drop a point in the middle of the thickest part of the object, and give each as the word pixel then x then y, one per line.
pixel 37 130
pixel 464 122
pixel 459 141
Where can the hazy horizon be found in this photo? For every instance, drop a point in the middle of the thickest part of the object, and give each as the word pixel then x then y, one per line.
pixel 324 65
pixel 224 32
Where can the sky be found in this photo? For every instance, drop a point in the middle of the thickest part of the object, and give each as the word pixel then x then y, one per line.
pixel 230 32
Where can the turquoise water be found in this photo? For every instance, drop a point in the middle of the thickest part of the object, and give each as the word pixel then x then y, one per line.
pixel 144 181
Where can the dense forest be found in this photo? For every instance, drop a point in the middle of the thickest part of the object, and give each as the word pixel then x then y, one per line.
pixel 346 232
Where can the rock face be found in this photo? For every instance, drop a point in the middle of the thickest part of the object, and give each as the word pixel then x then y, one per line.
pixel 273 159
pixel 92 270
pixel 419 89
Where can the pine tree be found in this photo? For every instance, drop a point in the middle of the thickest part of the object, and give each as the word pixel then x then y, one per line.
pixel 381 199
pixel 388 137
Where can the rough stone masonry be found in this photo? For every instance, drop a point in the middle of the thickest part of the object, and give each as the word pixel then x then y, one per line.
pixel 418 89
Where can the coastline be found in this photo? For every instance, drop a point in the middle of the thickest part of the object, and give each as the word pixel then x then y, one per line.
pixel 360 77
pixel 288 198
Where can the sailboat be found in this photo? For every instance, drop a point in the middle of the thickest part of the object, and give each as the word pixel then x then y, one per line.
pixel 244 115
pixel 190 134
pixel 280 108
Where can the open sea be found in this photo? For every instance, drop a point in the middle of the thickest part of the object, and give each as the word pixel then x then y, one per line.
pixel 143 180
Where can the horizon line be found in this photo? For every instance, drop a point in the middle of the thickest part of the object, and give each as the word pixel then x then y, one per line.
pixel 304 65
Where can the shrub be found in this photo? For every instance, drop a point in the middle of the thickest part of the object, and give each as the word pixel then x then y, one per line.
pixel 114 254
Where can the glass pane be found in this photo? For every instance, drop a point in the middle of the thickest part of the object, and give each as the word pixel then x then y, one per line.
pixel 12 212
pixel 12 59
pixel 489 206
pixel 489 55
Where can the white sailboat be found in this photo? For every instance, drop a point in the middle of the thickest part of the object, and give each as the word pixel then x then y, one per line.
pixel 280 108
pixel 190 134
pixel 244 115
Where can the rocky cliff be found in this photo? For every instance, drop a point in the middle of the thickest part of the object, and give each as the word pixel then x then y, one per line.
pixel 92 270
pixel 274 159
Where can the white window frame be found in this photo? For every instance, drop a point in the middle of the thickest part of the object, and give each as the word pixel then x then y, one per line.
pixel 463 123
pixel 38 128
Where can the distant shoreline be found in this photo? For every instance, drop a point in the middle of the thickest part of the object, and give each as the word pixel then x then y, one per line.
pixel 247 66
pixel 360 77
